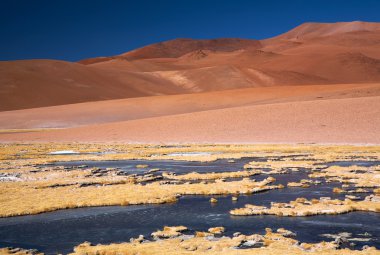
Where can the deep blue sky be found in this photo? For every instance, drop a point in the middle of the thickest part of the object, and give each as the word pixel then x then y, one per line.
pixel 77 29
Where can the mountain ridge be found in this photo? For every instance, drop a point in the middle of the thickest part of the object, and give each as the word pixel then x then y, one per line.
pixel 312 53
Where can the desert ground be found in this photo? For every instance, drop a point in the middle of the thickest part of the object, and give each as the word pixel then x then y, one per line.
pixel 344 113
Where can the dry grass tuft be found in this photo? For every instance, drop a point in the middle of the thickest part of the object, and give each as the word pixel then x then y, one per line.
pixel 29 188
pixel 169 232
pixel 304 207
pixel 274 243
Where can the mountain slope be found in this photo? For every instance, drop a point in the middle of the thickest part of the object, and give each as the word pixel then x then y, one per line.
pixel 37 83
pixel 312 53
pixel 179 47
pixel 316 30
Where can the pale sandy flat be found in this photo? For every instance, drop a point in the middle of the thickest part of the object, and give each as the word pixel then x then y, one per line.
pixel 107 111
pixel 348 120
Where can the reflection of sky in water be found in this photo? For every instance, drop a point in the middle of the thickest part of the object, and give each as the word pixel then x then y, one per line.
pixel 60 231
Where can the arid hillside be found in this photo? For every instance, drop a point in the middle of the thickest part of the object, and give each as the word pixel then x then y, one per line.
pixel 312 53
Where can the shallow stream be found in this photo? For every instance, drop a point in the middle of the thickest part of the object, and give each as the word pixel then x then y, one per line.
pixel 60 231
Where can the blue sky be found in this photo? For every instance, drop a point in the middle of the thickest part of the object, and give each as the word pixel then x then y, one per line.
pixel 77 29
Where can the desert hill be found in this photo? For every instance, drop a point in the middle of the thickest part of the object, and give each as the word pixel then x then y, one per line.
pixel 38 83
pixel 312 53
pixel 316 30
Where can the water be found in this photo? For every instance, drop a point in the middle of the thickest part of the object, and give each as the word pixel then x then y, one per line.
pixel 176 166
pixel 60 231
pixel 353 163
